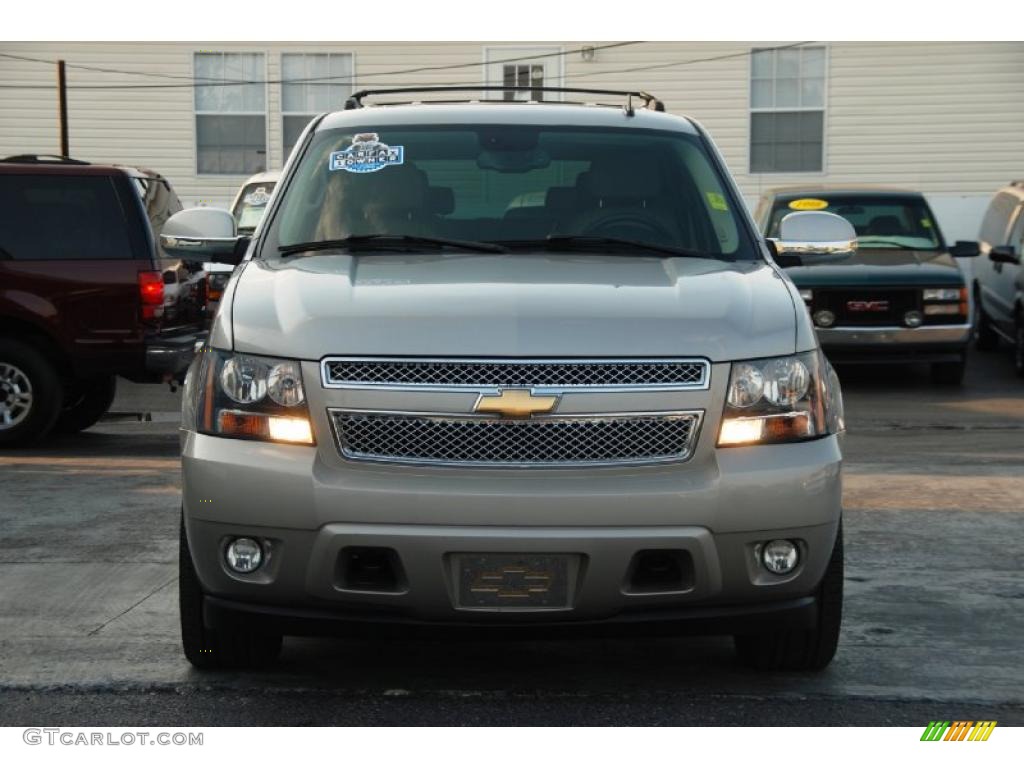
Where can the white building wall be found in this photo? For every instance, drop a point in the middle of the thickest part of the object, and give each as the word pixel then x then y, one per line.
pixel 945 118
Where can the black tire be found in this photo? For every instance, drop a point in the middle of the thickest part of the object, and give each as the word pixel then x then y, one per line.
pixel 803 649
pixel 1018 347
pixel 223 648
pixel 985 337
pixel 23 369
pixel 88 401
pixel 950 374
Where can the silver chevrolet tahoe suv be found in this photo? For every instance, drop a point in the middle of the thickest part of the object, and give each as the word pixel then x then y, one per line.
pixel 524 367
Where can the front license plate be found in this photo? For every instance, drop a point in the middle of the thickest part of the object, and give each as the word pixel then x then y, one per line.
pixel 498 581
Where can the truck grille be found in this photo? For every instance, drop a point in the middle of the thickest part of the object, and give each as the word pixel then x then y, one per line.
pixel 583 374
pixel 839 301
pixel 545 441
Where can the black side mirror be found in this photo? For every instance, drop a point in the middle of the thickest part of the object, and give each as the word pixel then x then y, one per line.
pixel 965 249
pixel 1004 254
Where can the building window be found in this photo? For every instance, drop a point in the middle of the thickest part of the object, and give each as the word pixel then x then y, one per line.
pixel 787 110
pixel 533 67
pixel 231 120
pixel 330 83
pixel 523 76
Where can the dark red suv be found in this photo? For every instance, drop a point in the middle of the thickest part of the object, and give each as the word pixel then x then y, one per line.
pixel 85 293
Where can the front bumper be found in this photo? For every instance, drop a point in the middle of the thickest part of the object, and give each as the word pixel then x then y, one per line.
pixel 935 343
pixel 716 508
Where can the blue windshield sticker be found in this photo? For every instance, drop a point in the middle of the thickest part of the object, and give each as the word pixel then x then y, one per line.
pixel 366 155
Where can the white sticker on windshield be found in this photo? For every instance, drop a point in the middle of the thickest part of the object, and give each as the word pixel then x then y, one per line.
pixel 258 197
pixel 366 155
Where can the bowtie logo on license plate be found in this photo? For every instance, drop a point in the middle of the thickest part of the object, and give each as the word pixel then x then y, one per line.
pixel 512 582
pixel 868 306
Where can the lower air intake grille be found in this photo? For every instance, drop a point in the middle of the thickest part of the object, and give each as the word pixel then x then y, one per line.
pixel 547 441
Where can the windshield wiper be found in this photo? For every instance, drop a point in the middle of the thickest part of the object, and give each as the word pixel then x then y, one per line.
pixel 888 243
pixel 599 242
pixel 385 242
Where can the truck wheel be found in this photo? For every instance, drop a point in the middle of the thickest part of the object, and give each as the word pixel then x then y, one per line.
pixel 1018 348
pixel 950 374
pixel 803 649
pixel 204 647
pixel 30 394
pixel 89 401
pixel 985 337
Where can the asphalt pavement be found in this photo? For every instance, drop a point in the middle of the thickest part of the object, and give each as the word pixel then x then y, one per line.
pixel 934 506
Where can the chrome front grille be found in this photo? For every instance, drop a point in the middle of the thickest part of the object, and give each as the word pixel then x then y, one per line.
pixel 484 374
pixel 541 441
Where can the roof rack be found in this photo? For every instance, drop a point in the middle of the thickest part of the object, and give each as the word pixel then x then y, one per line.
pixel 47 159
pixel 355 101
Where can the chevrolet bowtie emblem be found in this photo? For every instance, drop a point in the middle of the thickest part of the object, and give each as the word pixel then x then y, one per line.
pixel 515 403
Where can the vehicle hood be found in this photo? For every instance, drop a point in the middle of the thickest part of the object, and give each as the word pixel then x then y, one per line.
pixel 519 305
pixel 878 267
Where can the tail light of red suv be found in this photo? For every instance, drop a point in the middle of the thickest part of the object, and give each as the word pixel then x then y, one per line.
pixel 151 294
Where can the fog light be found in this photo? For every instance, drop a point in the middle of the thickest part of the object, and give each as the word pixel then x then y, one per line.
pixel 913 319
pixel 244 555
pixel 824 319
pixel 780 556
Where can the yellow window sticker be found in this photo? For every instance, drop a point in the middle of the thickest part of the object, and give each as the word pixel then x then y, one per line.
pixel 808 204
pixel 926 223
pixel 717 201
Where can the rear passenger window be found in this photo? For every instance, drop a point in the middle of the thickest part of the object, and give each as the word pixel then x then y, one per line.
pixel 997 219
pixel 51 218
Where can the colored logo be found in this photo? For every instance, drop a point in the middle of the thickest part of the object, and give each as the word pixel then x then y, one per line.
pixel 366 155
pixel 959 730
pixel 868 306
pixel 515 403
pixel 258 197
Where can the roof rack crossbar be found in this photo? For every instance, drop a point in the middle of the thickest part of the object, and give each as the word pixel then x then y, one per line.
pixel 355 101
pixel 54 159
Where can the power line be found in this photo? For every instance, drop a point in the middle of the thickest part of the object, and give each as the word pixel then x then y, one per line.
pixel 720 57
pixel 325 80
pixel 481 85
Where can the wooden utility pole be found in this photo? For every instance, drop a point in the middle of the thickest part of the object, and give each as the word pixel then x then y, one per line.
pixel 62 95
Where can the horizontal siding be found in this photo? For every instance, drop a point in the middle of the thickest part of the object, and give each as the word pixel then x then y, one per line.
pixel 947 118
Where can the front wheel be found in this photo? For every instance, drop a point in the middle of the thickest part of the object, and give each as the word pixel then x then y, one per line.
pixel 985 337
pixel 224 648
pixel 803 649
pixel 1018 348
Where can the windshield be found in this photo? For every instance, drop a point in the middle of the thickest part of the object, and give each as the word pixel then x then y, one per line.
pixel 880 221
pixel 252 204
pixel 511 184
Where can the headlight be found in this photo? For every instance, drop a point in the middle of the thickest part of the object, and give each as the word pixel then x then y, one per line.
pixel 942 294
pixel 781 400
pixel 251 397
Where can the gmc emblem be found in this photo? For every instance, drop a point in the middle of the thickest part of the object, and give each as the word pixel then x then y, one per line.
pixel 868 306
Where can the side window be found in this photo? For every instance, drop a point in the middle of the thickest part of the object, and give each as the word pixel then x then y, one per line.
pixel 997 219
pixel 50 218
pixel 1017 236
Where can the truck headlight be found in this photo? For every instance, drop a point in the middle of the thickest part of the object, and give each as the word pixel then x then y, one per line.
pixel 254 398
pixel 781 400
